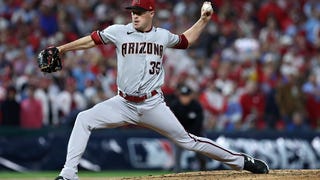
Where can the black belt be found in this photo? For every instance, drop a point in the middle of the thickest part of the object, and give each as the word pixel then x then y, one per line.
pixel 137 99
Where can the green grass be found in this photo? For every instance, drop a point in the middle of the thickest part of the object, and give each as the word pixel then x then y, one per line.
pixel 52 174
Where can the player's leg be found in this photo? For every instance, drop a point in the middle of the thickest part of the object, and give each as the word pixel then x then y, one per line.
pixel 162 120
pixel 107 114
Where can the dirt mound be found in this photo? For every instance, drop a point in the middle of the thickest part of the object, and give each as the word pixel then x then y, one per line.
pixel 228 174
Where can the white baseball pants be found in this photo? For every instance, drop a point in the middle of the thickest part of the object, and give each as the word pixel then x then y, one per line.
pixel 153 113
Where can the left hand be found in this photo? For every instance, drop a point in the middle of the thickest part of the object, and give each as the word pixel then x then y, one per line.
pixel 49 60
pixel 206 11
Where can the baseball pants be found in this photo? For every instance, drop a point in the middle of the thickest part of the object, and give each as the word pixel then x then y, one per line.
pixel 154 114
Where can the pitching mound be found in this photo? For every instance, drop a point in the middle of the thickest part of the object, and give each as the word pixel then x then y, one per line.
pixel 273 174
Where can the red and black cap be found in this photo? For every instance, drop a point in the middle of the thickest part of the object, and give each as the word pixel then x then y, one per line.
pixel 142 5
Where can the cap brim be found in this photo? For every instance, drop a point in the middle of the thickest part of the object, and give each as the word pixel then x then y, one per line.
pixel 136 8
pixel 185 93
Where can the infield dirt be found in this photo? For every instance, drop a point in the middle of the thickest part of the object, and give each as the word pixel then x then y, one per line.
pixel 232 175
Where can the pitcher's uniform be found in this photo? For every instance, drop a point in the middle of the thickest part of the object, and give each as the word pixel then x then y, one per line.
pixel 139 100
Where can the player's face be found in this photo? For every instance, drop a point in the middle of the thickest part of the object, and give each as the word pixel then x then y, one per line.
pixel 142 20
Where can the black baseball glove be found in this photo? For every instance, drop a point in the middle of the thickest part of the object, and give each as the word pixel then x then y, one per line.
pixel 49 60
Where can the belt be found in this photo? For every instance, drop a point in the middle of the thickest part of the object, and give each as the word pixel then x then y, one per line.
pixel 137 99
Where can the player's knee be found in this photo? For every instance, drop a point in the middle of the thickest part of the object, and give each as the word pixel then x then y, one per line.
pixel 188 143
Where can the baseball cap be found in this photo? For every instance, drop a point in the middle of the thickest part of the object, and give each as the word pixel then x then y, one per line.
pixel 142 5
pixel 185 90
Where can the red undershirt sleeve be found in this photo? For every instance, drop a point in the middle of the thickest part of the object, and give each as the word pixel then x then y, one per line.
pixel 183 42
pixel 96 38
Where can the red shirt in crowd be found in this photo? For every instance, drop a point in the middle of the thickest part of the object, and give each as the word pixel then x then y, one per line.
pixel 31 113
pixel 253 104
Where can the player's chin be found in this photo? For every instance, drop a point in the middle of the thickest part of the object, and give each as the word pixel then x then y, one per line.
pixel 137 27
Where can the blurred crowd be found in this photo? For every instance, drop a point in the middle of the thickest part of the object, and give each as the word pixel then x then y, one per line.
pixel 256 66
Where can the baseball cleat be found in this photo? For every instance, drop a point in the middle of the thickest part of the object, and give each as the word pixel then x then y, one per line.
pixel 61 178
pixel 255 166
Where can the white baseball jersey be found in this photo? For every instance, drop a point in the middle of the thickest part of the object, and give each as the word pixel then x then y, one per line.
pixel 139 56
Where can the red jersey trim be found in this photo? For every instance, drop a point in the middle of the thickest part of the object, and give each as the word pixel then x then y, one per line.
pixel 183 42
pixel 95 35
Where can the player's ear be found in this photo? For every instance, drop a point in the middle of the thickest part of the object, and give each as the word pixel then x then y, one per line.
pixel 152 13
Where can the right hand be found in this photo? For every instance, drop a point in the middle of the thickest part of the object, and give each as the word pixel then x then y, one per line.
pixel 206 11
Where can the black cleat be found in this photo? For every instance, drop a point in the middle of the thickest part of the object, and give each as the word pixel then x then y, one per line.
pixel 61 178
pixel 255 166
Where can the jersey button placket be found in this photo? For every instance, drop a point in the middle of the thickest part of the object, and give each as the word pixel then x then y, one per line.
pixel 144 39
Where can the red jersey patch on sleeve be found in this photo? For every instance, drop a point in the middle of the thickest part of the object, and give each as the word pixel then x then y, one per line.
pixel 95 35
pixel 183 42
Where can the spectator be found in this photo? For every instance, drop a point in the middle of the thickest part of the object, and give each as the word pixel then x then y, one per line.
pixel 31 110
pixel 309 5
pixel 311 89
pixel 25 14
pixel 289 97
pixel 48 17
pixel 231 119
pixel 269 34
pixel 82 74
pixel 93 93
pixel 46 93
pixel 298 122
pixel 189 112
pixel 310 86
pixel 70 102
pixel 214 104
pixel 10 108
pixel 270 8
pixel 253 104
pixel 312 27
pixel 269 79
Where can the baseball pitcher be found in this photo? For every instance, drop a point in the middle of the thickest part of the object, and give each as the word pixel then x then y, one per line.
pixel 140 47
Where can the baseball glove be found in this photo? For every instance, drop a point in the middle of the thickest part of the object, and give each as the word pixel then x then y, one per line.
pixel 49 60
